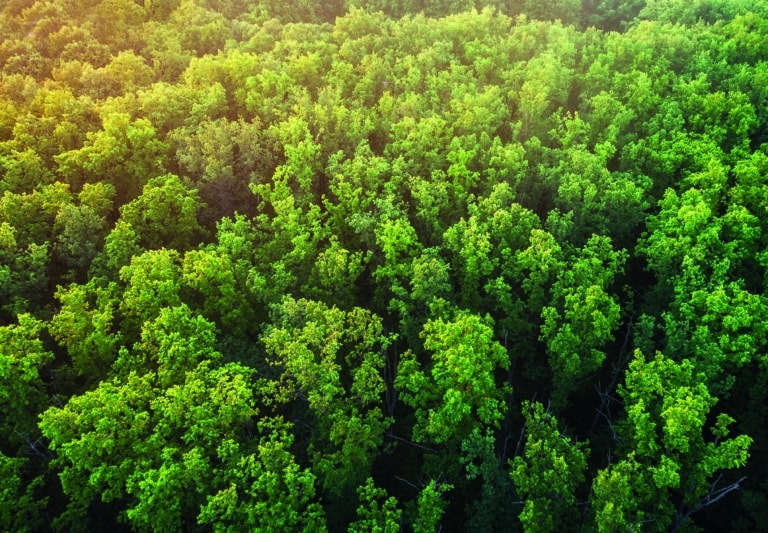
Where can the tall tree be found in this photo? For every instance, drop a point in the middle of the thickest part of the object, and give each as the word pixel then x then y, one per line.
pixel 332 362
pixel 675 451
pixel 454 390
pixel 548 473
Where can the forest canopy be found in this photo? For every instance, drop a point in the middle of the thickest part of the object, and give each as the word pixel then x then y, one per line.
pixel 384 265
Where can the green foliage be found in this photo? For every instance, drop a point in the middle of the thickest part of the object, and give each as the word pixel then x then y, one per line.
pixel 496 506
pixel 590 199
pixel 32 215
pixel 455 391
pixel 376 511
pixel 120 246
pixel 280 265
pixel 149 444
pixel 333 361
pixel 430 507
pixel 20 507
pixel 84 326
pixel 165 215
pixel 548 473
pixel 668 407
pixel 487 244
pixel 23 273
pixel 171 343
pixel 80 232
pixel 613 15
pixel 399 245
pixel 22 171
pixel 210 406
pixel 126 153
pixel 152 282
pixel 214 278
pixel 22 391
pixel 265 489
pixel 583 315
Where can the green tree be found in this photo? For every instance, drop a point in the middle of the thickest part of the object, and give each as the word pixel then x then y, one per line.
pixel 496 507
pixel 125 153
pixel 336 272
pixel 543 91
pixel 200 29
pixel 264 490
pixel 212 405
pixel 21 508
pixel 120 245
pixel 398 246
pixel 567 11
pixel 549 472
pixel 149 439
pixel 220 295
pixel 455 390
pixel 589 199
pixel 85 327
pixel 674 452
pixel 80 234
pixel 293 230
pixel 171 343
pixel 32 215
pixel 165 214
pixel 221 157
pixel 152 281
pixel 376 511
pixel 23 273
pixel 23 171
pixel 23 361
pixel 485 248
pixel 333 362
pixel 611 15
pixel 354 184
pixel 582 315
pixel 430 507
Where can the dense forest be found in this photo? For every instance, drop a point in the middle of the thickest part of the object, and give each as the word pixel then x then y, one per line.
pixel 384 266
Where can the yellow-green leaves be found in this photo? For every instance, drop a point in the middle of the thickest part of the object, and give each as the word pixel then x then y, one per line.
pixel 548 473
pixel 615 498
pixel 376 511
pixel 667 406
pixel 431 507
pixel 22 391
pixel 151 443
pixel 333 360
pixel 582 315
pixel 263 489
pixel 455 390
pixel 125 153
pixel 20 509
pixel 84 327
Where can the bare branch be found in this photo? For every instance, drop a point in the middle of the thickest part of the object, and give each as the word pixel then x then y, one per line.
pixel 390 374
pixel 415 444
pixel 33 445
pixel 714 495
pixel 606 395
pixel 410 484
